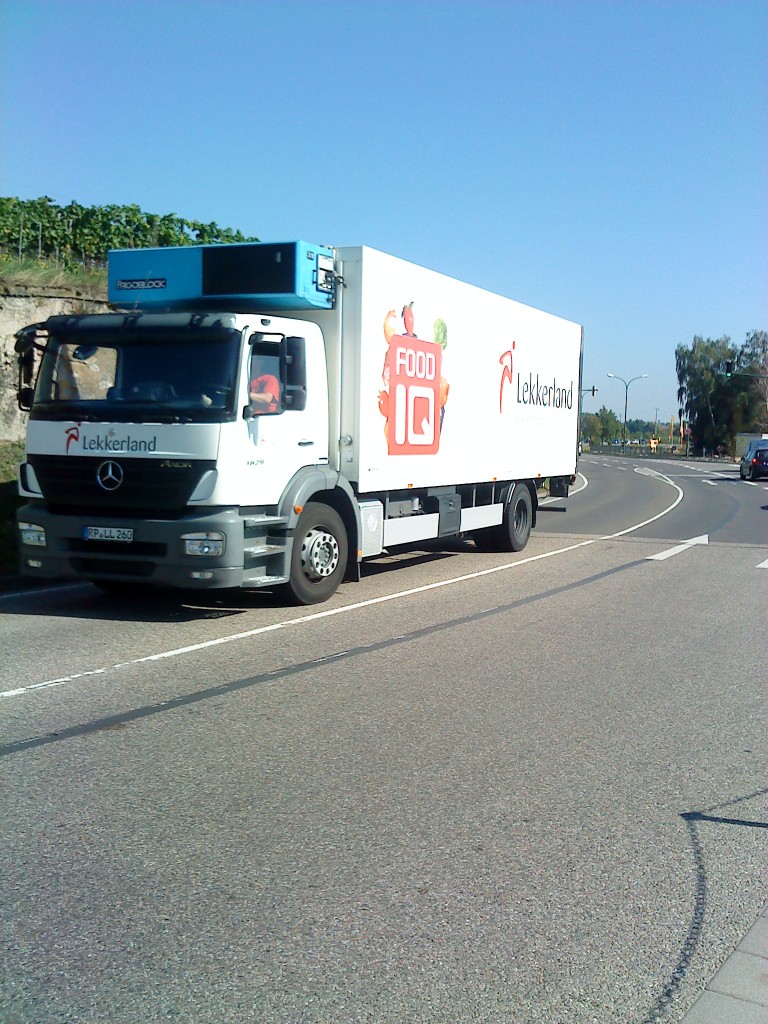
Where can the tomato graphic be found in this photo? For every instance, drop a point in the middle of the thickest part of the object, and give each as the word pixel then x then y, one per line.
pixel 408 319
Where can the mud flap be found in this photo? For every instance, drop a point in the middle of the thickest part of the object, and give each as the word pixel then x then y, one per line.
pixel 558 486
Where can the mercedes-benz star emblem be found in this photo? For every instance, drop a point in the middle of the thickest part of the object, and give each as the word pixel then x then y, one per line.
pixel 109 475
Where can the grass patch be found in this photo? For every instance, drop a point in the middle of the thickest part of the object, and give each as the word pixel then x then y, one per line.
pixel 11 454
pixel 27 273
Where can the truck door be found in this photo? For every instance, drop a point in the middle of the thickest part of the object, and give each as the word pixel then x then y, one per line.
pixel 287 409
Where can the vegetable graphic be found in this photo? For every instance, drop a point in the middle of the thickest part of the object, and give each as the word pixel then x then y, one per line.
pixel 445 387
pixel 408 319
pixel 391 326
pixel 441 334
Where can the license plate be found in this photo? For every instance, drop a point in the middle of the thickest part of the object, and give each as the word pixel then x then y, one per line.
pixel 115 533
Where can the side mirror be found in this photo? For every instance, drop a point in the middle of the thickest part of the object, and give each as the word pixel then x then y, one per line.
pixel 26 397
pixel 26 366
pixel 25 342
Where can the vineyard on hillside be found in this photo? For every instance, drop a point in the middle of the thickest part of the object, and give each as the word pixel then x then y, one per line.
pixel 75 236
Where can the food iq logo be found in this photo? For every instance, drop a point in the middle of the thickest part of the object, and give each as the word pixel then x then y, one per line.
pixel 412 400
pixel 414 389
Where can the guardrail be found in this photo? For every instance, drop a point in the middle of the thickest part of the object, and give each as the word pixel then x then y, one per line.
pixel 641 451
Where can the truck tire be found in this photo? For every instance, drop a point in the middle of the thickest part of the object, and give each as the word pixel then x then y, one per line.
pixel 518 519
pixel 319 556
pixel 515 528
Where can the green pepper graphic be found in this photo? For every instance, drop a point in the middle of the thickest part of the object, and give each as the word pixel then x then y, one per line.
pixel 441 334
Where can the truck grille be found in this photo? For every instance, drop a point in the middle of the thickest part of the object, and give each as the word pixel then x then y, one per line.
pixel 112 567
pixel 147 485
pixel 145 549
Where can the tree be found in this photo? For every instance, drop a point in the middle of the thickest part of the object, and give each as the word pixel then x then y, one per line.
pixel 717 407
pixel 610 427
pixel 590 426
pixel 755 351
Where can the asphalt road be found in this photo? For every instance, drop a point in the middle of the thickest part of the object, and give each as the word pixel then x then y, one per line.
pixel 473 787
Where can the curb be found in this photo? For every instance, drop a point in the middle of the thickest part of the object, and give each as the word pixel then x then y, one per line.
pixel 738 991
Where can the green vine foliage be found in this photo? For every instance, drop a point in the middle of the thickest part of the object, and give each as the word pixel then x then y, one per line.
pixel 76 235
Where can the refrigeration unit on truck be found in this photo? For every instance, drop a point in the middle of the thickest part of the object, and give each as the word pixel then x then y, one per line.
pixel 269 415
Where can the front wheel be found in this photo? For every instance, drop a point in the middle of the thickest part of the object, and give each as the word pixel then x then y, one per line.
pixel 319 556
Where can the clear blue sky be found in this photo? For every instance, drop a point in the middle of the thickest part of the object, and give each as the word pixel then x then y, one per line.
pixel 605 161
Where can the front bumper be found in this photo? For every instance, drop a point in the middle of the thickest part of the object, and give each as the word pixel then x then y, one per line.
pixel 155 556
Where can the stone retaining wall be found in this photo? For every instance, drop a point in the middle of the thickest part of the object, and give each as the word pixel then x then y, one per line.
pixel 19 307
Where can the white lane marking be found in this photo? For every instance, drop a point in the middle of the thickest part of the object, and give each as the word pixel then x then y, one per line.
pixel 763 565
pixel 328 613
pixel 712 483
pixel 703 539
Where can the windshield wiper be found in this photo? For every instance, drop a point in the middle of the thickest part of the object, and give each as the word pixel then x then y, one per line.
pixel 60 411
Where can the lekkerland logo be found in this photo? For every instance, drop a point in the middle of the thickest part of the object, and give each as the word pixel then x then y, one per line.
pixel 506 372
pixel 72 435
pixel 533 390
pixel 106 443
pixel 536 392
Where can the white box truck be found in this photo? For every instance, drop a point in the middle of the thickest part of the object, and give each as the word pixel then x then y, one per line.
pixel 268 415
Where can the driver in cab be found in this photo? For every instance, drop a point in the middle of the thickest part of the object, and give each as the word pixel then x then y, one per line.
pixel 264 388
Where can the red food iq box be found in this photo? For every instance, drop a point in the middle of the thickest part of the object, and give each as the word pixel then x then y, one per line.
pixel 414 396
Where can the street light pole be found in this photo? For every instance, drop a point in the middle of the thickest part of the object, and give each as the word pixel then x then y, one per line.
pixel 626 384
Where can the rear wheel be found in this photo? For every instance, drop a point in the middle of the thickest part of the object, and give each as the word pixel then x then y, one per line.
pixel 518 519
pixel 515 528
pixel 319 555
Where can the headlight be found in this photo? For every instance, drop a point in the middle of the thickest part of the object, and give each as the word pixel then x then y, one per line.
pixel 203 543
pixel 32 535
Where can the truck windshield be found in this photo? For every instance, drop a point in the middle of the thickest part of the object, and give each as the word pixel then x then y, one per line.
pixel 146 378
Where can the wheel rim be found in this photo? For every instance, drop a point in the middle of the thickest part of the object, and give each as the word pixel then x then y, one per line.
pixel 521 516
pixel 319 554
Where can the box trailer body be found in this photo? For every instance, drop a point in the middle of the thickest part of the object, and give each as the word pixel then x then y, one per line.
pixel 408 406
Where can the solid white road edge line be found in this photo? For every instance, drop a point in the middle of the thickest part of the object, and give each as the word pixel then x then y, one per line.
pixel 328 613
